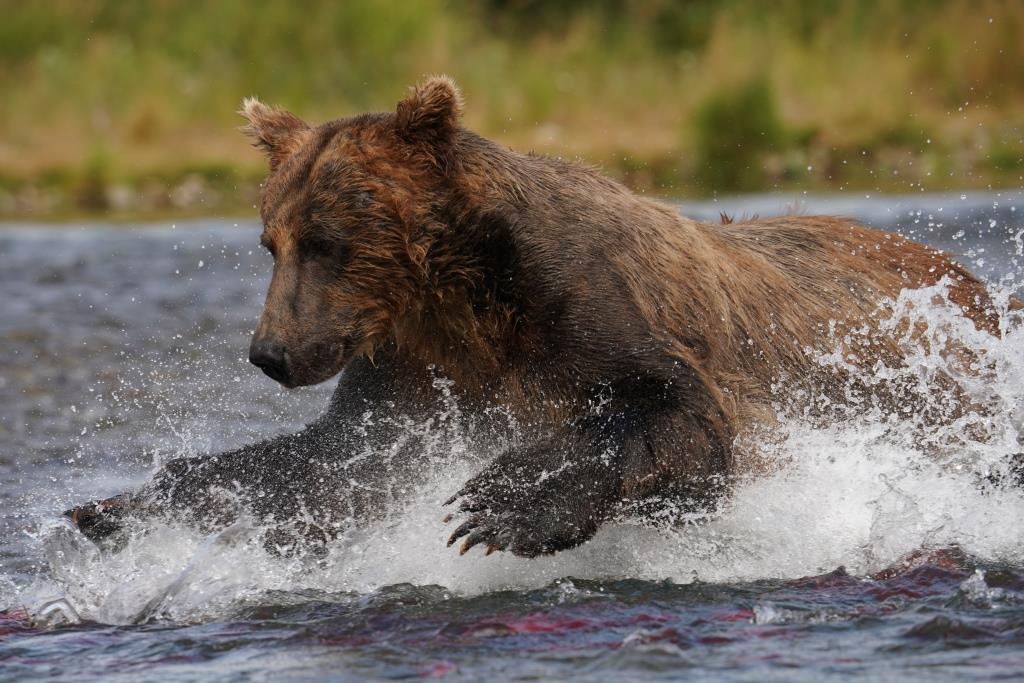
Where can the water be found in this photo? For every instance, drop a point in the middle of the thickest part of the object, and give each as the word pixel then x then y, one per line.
pixel 858 555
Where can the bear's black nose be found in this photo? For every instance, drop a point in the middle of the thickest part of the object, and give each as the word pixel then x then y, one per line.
pixel 269 356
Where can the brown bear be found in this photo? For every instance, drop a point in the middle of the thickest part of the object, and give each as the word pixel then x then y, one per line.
pixel 631 345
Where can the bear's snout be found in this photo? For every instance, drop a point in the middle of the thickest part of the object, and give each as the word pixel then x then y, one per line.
pixel 269 355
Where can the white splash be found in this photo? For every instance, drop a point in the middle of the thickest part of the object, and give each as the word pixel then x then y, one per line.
pixel 861 494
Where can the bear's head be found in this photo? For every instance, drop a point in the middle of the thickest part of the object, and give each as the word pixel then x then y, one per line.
pixel 349 211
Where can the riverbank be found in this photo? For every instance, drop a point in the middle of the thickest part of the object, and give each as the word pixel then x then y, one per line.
pixel 111 111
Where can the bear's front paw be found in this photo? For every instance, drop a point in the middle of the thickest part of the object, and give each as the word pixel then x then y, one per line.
pixel 521 534
pixel 525 517
pixel 482 528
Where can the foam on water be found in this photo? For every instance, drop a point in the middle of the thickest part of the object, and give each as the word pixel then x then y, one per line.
pixel 858 493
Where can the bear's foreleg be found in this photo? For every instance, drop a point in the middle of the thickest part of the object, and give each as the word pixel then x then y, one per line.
pixel 312 478
pixel 668 442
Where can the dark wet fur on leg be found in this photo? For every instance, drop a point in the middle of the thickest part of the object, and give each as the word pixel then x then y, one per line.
pixel 553 496
pixel 285 481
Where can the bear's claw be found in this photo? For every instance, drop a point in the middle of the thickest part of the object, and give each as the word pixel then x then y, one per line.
pixel 462 530
pixel 478 529
pixel 513 531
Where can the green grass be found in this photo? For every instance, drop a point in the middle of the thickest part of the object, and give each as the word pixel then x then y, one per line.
pixel 104 99
pixel 736 129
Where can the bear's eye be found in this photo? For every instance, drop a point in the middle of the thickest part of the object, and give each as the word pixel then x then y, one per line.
pixel 314 246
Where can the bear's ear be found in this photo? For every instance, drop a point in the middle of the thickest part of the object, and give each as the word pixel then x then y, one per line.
pixel 277 132
pixel 431 111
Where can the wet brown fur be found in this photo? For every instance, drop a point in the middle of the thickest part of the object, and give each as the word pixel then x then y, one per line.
pixel 536 284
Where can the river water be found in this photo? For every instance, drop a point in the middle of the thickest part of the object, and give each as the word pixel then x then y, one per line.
pixel 125 345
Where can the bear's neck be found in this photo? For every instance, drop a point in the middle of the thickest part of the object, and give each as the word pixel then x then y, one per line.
pixel 473 311
pixel 489 304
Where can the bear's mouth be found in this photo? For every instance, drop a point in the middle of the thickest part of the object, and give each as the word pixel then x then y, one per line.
pixel 325 361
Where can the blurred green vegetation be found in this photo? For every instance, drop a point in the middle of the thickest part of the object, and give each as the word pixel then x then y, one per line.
pixel 735 129
pixel 130 106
